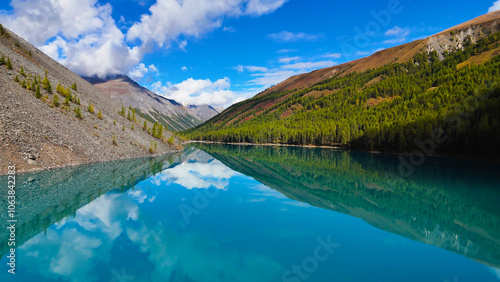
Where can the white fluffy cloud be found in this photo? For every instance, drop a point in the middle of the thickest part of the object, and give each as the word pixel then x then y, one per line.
pixel 39 20
pixel 169 19
pixel 152 68
pixel 199 92
pixel 495 7
pixel 80 34
pixel 140 70
pixel 83 36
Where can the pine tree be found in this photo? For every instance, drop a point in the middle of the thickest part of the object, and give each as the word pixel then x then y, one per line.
pixel 16 79
pixel 91 108
pixel 122 112
pixel 145 126
pixel 55 100
pixel 2 60
pixel 60 89
pixel 114 141
pixel 99 114
pixel 4 32
pixel 66 101
pixel 151 150
pixel 23 84
pixel 22 72
pixel 9 64
pixel 160 131
pixel 78 112
pixel 171 140
pixel 74 87
pixel 33 86
pixel 154 130
pixel 38 94
pixel 46 83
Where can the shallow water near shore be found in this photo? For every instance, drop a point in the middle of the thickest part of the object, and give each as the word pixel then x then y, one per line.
pixel 253 213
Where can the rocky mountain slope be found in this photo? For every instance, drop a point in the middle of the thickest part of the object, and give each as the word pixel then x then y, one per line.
pixel 153 106
pixel 385 101
pixel 40 131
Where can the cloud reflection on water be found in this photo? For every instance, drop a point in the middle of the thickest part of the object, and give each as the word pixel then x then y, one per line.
pixel 99 234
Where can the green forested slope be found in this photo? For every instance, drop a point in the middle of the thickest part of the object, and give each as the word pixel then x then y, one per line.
pixel 394 107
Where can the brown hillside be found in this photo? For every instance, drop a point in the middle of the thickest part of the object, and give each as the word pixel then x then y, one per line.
pixel 484 20
pixel 402 53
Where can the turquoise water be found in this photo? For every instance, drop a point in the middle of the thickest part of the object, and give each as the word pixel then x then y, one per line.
pixel 242 213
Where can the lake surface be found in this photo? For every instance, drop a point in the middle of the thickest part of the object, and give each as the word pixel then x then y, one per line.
pixel 248 213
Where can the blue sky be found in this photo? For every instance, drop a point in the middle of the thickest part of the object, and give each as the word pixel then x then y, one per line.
pixel 222 51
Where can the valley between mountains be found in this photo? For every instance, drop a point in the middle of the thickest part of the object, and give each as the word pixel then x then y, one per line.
pixel 441 93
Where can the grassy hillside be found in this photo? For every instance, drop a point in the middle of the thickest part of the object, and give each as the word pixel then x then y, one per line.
pixel 394 107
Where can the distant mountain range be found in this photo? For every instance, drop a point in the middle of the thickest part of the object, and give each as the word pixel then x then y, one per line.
pixel 389 101
pixel 154 107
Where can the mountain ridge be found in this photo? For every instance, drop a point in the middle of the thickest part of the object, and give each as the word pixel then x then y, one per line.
pixel 155 107
pixel 40 131
pixel 398 53
pixel 377 102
